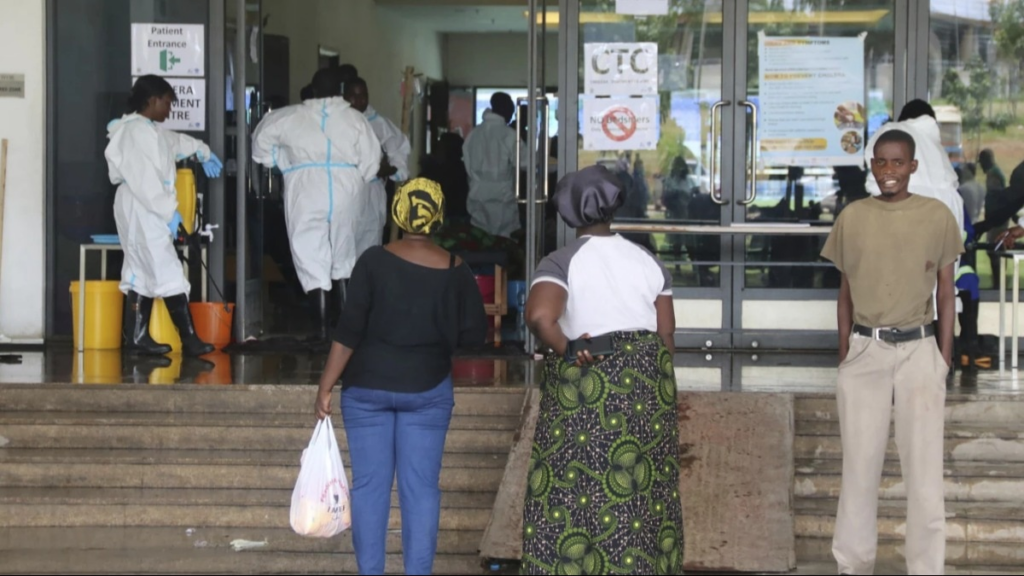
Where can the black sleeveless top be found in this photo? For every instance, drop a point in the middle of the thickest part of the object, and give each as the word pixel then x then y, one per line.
pixel 404 322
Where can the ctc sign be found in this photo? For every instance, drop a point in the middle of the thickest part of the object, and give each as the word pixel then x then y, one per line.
pixel 602 61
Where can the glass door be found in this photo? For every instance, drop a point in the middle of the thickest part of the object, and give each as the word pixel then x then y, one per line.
pixel 816 79
pixel 738 129
pixel 651 90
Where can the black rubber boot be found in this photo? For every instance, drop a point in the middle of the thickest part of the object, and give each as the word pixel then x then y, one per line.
pixel 320 302
pixel 192 368
pixel 139 369
pixel 339 290
pixel 191 345
pixel 135 327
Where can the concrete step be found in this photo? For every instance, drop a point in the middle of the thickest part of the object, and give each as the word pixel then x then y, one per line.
pixel 1005 558
pixel 209 457
pixel 198 497
pixel 186 539
pixel 892 566
pixel 988 444
pixel 250 475
pixel 980 409
pixel 210 561
pixel 965 481
pixel 193 399
pixel 287 420
pixel 1005 431
pixel 965 521
pixel 269 515
pixel 467 434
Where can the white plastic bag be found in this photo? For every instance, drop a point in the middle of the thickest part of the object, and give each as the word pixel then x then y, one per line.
pixel 320 501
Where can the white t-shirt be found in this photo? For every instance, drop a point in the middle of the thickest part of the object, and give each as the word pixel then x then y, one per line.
pixel 612 285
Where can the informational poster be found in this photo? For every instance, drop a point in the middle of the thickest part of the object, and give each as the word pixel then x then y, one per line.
pixel 812 101
pixel 642 7
pixel 188 114
pixel 168 50
pixel 621 69
pixel 620 123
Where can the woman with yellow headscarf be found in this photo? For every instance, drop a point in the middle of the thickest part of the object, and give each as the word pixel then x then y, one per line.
pixel 410 305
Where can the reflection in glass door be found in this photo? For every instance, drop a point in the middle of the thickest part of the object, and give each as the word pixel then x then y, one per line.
pixel 734 205
pixel 676 180
pixel 818 81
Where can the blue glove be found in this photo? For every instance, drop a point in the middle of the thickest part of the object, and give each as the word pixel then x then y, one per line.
pixel 213 166
pixel 174 223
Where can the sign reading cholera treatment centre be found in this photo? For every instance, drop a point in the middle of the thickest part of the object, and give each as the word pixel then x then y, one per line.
pixel 812 99
pixel 178 53
pixel 620 106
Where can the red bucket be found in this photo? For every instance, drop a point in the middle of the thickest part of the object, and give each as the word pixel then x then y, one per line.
pixel 469 372
pixel 486 286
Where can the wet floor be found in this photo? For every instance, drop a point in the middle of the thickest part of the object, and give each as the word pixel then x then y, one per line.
pixel 695 370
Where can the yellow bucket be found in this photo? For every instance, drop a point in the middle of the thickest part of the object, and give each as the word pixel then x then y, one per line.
pixel 185 184
pixel 162 328
pixel 104 313
pixel 97 367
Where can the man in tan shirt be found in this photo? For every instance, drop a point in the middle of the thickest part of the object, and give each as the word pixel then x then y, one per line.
pixel 892 250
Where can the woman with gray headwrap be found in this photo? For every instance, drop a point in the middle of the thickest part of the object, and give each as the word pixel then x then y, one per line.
pixel 603 485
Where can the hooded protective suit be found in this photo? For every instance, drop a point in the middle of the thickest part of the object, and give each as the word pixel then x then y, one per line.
pixel 141 160
pixel 327 152
pixel 490 157
pixel 397 149
pixel 935 177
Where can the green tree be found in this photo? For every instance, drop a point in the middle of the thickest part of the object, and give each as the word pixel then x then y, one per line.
pixel 1008 18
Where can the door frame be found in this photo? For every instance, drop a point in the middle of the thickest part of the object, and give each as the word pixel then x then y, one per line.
pixel 911 28
pixel 909 59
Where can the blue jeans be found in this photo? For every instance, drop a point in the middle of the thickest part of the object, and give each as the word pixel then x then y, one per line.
pixel 386 432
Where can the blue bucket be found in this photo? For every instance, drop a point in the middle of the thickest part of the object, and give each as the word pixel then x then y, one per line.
pixel 517 294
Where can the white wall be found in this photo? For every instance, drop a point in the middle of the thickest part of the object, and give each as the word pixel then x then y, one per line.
pixel 296 19
pixel 494 60
pixel 23 123
pixel 380 42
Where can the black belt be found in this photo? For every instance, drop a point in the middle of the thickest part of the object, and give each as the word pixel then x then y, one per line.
pixel 895 335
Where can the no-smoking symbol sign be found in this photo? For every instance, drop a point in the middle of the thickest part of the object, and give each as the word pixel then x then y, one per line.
pixel 619 124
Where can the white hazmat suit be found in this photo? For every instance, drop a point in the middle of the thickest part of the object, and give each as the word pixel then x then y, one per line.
pixel 397 149
pixel 490 157
pixel 141 159
pixel 935 177
pixel 327 152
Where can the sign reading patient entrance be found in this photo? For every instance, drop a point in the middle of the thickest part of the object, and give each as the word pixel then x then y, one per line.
pixel 168 50
pixel 621 69
pixel 812 101
pixel 188 114
pixel 620 123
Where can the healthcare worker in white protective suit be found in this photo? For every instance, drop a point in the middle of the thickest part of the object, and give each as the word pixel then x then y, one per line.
pixel 935 177
pixel 141 160
pixel 327 152
pixel 394 164
pixel 490 157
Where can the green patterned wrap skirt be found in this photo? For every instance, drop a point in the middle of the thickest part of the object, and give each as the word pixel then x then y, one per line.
pixel 603 483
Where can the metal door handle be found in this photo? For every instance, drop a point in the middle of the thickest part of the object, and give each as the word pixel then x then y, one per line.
pixel 716 198
pixel 547 144
pixel 754 146
pixel 519 142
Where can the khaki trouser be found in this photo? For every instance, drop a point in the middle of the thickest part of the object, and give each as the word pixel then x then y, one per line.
pixel 875 378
